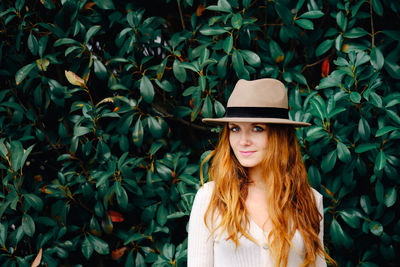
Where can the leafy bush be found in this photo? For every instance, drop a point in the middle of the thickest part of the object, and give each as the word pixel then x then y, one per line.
pixel 101 137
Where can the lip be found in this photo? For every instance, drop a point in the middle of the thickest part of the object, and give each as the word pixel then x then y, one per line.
pixel 247 153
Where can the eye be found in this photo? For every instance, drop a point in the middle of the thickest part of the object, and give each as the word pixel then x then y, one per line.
pixel 234 129
pixel 257 128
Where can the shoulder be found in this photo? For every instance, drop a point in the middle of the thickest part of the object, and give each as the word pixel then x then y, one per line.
pixel 201 201
pixel 205 191
pixel 317 194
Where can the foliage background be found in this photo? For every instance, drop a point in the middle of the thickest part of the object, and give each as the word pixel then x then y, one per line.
pixel 100 120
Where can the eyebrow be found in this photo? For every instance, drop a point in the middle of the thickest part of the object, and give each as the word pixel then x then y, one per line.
pixel 253 124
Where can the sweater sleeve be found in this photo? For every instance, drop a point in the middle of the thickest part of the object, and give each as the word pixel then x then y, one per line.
pixel 320 262
pixel 200 242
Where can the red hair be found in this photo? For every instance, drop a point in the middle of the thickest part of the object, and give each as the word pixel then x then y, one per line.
pixel 290 200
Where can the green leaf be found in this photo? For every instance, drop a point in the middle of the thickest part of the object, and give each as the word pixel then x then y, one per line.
pixel 34 201
pixel 155 127
pixel 160 73
pixel 314 14
pixel 393 115
pixel 237 21
pixel 91 32
pixel 305 24
pixel 137 133
pixel 364 129
pixel 23 72
pixel 162 214
pixel 228 44
pixel 176 215
pixel 390 197
pixel 3 233
pixel 179 72
pixel 377 7
pixel 284 13
pixel 223 6
pixel 86 248
pixel 155 146
pixel 384 130
pixel 25 156
pixel 361 148
pixel 168 251
pixel 238 63
pixel 80 130
pixel 17 154
pixel 343 152
pixel 341 20
pixel 318 109
pixel 276 52
pixel 146 89
pixel 207 108
pixel 377 59
pixel 99 245
pixel 122 196
pixel 314 176
pixel 392 68
pixel 100 70
pixel 104 4
pixel 351 218
pixel 28 225
pixel 339 237
pixel 355 97
pixel 181 111
pixel 323 47
pixel 66 41
pixel 221 67
pixel 376 228
pixel 328 162
pixel 365 203
pixel 379 191
pixel 139 261
pixel 219 109
pixel 354 33
pixel 380 160
pixel 212 31
pixel 250 57
pixel 33 44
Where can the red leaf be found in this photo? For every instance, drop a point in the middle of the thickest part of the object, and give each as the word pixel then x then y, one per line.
pixel 38 259
pixel 200 10
pixel 115 216
pixel 118 253
pixel 325 68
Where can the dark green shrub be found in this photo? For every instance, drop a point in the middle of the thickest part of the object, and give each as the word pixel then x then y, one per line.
pixel 100 131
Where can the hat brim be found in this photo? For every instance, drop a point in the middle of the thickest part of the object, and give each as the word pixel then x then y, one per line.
pixel 255 120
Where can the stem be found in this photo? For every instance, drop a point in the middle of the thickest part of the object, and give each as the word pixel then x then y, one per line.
pixel 180 14
pixel 372 24
pixel 313 64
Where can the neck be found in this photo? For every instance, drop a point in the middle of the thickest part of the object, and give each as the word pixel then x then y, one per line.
pixel 256 177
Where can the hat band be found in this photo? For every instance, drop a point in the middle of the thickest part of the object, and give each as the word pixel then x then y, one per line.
pixel 257 112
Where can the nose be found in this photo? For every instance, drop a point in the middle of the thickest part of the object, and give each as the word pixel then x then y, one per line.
pixel 244 138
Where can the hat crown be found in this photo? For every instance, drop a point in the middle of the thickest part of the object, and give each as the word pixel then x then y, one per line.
pixel 259 93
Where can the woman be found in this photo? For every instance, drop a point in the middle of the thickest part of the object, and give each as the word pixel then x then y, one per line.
pixel 258 208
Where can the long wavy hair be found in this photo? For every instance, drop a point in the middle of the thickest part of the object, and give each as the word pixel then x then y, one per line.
pixel 290 200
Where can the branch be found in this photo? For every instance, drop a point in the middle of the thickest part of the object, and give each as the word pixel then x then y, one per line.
pixel 165 114
pixel 372 25
pixel 180 14
pixel 313 64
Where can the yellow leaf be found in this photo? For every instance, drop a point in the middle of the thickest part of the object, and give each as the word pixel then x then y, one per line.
pixel 74 79
pixel 38 259
pixel 42 64
pixel 279 59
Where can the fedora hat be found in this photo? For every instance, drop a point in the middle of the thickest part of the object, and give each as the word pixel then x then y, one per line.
pixel 260 101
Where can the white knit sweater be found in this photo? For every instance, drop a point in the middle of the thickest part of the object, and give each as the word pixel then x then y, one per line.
pixel 208 251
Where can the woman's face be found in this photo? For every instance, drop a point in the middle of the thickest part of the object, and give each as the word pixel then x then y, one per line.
pixel 249 142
